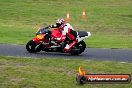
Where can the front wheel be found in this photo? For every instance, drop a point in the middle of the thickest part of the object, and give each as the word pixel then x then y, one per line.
pixel 78 48
pixel 31 47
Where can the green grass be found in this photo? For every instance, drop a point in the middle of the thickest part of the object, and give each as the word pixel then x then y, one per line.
pixel 110 41
pixel 55 73
pixel 109 21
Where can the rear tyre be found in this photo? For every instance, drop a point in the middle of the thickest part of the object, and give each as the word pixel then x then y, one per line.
pixel 31 47
pixel 78 48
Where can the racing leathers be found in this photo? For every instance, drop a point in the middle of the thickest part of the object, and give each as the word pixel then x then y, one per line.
pixel 67 31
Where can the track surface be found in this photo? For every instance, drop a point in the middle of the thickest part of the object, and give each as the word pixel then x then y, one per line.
pixel 122 55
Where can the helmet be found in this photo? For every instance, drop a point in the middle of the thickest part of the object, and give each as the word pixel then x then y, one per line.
pixel 60 23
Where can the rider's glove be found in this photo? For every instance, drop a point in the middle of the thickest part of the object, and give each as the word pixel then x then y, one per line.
pixel 54 39
pixel 57 39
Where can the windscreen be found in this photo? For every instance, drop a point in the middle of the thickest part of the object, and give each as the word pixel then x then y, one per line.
pixel 43 30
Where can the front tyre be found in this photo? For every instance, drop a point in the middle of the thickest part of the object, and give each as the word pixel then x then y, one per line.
pixel 31 47
pixel 78 48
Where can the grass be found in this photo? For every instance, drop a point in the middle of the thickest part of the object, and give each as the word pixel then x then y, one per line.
pixel 55 73
pixel 106 20
pixel 109 41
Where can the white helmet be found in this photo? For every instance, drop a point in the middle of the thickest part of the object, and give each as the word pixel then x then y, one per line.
pixel 60 23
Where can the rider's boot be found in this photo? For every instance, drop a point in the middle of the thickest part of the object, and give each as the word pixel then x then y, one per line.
pixel 69 46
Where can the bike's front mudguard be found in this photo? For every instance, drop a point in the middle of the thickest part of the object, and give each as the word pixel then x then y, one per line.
pixel 36 40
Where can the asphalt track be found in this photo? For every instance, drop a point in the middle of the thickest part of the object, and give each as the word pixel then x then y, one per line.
pixel 121 55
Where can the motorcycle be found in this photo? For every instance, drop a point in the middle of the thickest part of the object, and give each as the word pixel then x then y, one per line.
pixel 44 41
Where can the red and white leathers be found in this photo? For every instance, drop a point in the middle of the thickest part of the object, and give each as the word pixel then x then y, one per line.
pixel 68 30
pixel 71 34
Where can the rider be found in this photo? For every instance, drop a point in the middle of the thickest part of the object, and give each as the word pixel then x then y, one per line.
pixel 67 31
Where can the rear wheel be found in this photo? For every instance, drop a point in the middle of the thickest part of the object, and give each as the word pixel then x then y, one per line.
pixel 31 47
pixel 78 48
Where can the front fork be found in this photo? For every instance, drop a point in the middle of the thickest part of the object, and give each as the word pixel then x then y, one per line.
pixel 36 40
pixel 38 43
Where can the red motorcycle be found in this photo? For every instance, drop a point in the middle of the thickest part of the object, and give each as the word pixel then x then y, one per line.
pixel 45 41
